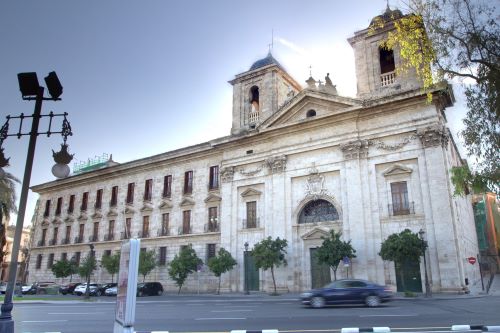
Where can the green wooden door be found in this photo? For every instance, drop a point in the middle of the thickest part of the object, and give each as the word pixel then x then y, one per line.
pixel 251 273
pixel 408 277
pixel 320 273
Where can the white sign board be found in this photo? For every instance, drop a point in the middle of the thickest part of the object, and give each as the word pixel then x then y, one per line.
pixel 127 286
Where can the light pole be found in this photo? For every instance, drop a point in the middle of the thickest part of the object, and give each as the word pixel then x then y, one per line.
pixel 92 255
pixel 31 90
pixel 428 291
pixel 246 269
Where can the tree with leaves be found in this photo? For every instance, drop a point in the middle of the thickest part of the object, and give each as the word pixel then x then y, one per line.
pixel 87 266
pixel 269 254
pixel 147 262
pixel 221 263
pixel 64 268
pixel 459 39
pixel 183 264
pixel 333 250
pixel 111 263
pixel 7 205
pixel 402 247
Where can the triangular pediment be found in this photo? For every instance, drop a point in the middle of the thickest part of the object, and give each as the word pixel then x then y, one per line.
pixel 83 216
pixel 397 169
pixel 112 212
pixel 187 202
pixel 129 210
pixel 97 215
pixel 57 220
pixel 45 222
pixel 166 204
pixel 298 110
pixel 69 219
pixel 146 208
pixel 315 233
pixel 250 192
pixel 212 198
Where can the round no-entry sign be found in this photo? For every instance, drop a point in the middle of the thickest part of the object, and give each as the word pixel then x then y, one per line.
pixel 472 260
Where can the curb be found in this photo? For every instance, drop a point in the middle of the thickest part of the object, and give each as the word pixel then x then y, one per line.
pixel 369 329
pixel 261 331
pixel 475 327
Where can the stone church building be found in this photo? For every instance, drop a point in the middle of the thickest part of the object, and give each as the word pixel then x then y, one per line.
pixel 299 161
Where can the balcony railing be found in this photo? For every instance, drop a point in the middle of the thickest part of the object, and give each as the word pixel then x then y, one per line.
pixel 94 238
pixel 143 234
pixel 251 223
pixel 78 239
pixel 212 227
pixel 109 237
pixel 163 232
pixel 387 79
pixel 185 230
pixel 41 242
pixel 66 240
pixel 53 242
pixel 253 117
pixel 125 235
pixel 406 208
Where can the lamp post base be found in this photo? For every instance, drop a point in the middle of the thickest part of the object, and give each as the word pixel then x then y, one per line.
pixel 6 325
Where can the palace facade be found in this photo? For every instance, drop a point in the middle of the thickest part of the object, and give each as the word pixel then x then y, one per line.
pixel 299 162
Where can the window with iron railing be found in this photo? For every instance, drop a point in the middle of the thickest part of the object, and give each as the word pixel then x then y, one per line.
pixel 400 204
pixel 85 201
pixel 145 227
pixel 210 252
pixel 213 222
pixel 98 199
pixel 250 224
pixel 186 222
pixel 39 261
pixel 164 230
pixel 44 236
pixel 50 262
pixel 251 220
pixel 148 190
pixel 167 186
pixel 162 259
pixel 46 212
pixel 76 258
pixel 71 206
pixel 114 196
pixel 213 183
pixel 59 206
pixel 130 193
pixel 188 182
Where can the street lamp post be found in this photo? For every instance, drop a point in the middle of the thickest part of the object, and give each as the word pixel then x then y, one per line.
pixel 30 90
pixel 246 269
pixel 87 289
pixel 428 291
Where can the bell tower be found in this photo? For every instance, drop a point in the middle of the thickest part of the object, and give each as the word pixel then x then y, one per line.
pixel 258 93
pixel 376 66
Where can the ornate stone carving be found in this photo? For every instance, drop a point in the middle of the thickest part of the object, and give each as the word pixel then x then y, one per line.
pixel 395 146
pixel 250 172
pixel 433 136
pixel 276 164
pixel 315 186
pixel 227 174
pixel 355 149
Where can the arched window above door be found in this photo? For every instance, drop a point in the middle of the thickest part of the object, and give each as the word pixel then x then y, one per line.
pixel 318 211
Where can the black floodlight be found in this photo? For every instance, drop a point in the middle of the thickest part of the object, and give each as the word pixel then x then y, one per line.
pixel 53 85
pixel 28 84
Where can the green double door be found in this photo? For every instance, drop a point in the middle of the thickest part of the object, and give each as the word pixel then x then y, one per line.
pixel 408 277
pixel 251 273
pixel 320 273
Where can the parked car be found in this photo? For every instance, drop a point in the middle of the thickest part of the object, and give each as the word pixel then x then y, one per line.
pixel 3 287
pixel 149 289
pixel 104 287
pixel 347 292
pixel 111 291
pixel 93 289
pixel 69 288
pixel 47 288
pixel 30 289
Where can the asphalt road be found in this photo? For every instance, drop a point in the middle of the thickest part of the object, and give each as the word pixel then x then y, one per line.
pixel 223 314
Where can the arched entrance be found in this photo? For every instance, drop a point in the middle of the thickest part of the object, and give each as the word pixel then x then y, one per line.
pixel 318 210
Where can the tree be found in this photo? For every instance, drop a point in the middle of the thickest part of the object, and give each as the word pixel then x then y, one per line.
pixel 7 205
pixel 87 266
pixel 270 253
pixel 183 264
pixel 221 263
pixel 333 250
pixel 459 39
pixel 63 268
pixel 111 263
pixel 402 247
pixel 147 262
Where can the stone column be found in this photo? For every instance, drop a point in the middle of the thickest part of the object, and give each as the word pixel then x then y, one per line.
pixel 228 221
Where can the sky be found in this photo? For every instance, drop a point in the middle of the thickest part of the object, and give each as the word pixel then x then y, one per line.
pixel 145 77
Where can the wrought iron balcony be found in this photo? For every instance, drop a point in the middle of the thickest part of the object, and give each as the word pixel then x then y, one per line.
pixel 65 240
pixel 185 230
pixel 212 227
pixel 94 238
pixel 251 223
pixel 41 242
pixel 405 208
pixel 143 234
pixel 163 232
pixel 125 235
pixel 78 239
pixel 109 237
pixel 53 241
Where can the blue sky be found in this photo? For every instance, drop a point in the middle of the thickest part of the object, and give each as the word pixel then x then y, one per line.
pixel 145 77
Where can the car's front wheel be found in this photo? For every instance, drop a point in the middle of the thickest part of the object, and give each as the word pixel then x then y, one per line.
pixel 317 302
pixel 159 292
pixel 372 301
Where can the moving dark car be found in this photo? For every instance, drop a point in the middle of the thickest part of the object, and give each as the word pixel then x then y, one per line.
pixel 347 292
pixel 103 287
pixel 149 289
pixel 69 288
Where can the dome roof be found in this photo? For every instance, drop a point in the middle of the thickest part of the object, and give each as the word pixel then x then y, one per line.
pixel 269 60
pixel 388 15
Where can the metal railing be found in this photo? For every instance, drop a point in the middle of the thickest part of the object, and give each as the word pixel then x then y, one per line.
pixel 163 232
pixel 125 235
pixel 78 239
pixel 41 242
pixel 212 227
pixel 109 237
pixel 94 238
pixel 143 234
pixel 407 208
pixel 66 240
pixel 185 230
pixel 251 223
pixel 53 242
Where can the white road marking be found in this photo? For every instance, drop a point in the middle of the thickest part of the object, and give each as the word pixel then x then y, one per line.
pixel 43 321
pixel 220 319
pixel 242 310
pixel 390 315
pixel 73 313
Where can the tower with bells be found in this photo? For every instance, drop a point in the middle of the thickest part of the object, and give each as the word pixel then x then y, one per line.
pixel 258 93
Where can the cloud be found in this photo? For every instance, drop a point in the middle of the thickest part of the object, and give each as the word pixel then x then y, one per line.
pixel 292 46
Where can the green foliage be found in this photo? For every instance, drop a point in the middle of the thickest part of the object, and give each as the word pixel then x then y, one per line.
pixel 403 246
pixel 7 206
pixel 147 262
pixel 111 263
pixel 464 181
pixel 87 266
pixel 183 264
pixel 410 294
pixel 270 253
pixel 447 39
pixel 333 250
pixel 221 263
pixel 63 268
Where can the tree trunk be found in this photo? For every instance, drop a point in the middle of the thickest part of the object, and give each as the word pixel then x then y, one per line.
pixel 274 281
pixel 179 291
pixel 218 289
pixel 112 278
